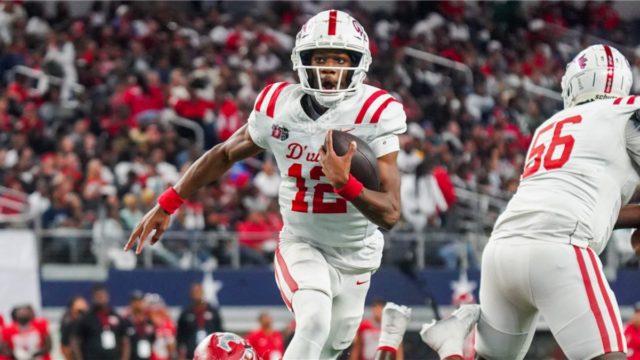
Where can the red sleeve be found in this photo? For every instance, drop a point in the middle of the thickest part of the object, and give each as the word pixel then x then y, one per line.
pixel 633 340
pixel 446 185
pixel 127 96
pixel 42 325
pixel 251 338
pixel 280 342
pixel 364 326
pixel 179 106
pixel 158 99
pixel 7 334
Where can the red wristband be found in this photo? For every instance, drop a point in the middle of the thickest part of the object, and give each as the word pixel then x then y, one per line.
pixel 170 201
pixel 351 189
pixel 387 348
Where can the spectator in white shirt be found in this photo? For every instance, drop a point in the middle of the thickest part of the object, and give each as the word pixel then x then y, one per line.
pixel 268 180
pixel 422 199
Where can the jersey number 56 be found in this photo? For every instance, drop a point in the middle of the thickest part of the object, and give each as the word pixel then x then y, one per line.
pixel 539 154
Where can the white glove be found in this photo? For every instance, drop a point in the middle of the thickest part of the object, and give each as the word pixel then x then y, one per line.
pixel 395 319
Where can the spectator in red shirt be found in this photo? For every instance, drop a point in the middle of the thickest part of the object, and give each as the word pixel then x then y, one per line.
pixel 5 119
pixel 253 234
pixel 268 343
pixel 229 118
pixel 632 334
pixel 27 337
pixel 608 16
pixel 365 344
pixel 199 110
pixel 164 347
pixel 144 99
pixel 1 340
pixel 19 89
pixel 30 123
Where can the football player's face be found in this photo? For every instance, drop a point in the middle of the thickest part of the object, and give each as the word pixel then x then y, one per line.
pixel 330 76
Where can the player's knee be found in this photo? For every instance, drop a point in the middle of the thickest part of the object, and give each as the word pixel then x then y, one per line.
pixel 313 312
pixel 314 321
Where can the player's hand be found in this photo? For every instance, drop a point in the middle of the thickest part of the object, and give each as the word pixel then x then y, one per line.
pixel 156 219
pixel 635 242
pixel 336 168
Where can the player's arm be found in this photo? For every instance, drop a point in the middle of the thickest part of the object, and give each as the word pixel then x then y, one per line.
pixel 356 347
pixel 629 217
pixel 381 207
pixel 209 167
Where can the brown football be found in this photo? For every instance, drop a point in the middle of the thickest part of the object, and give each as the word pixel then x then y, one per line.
pixel 364 165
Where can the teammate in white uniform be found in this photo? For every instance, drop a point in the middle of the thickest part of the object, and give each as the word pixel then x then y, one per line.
pixel 542 257
pixel 330 244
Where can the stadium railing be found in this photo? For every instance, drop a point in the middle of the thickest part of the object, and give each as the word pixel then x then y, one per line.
pixel 527 86
pixel 171 117
pixel 572 41
pixel 67 88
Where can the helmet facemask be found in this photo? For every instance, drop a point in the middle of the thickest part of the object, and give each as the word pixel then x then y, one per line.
pixel 311 78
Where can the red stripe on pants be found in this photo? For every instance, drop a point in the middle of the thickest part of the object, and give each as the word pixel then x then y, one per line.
pixel 593 303
pixel 292 284
pixel 607 299
pixel 284 297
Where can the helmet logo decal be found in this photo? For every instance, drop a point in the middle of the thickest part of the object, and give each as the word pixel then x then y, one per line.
pixel 224 340
pixel 359 29
pixel 582 62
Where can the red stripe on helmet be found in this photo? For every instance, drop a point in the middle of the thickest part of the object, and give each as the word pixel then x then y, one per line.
pixel 333 15
pixel 609 84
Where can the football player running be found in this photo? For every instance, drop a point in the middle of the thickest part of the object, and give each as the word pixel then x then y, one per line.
pixel 542 257
pixel 330 244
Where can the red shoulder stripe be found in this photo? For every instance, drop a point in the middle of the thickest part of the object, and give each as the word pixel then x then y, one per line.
pixel 376 115
pixel 618 101
pixel 272 102
pixel 632 100
pixel 262 96
pixel 367 104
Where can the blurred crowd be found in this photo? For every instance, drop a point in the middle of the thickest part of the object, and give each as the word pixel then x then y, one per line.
pixel 144 330
pixel 95 149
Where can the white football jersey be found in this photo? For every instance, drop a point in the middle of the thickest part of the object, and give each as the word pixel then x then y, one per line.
pixel 310 208
pixel 581 168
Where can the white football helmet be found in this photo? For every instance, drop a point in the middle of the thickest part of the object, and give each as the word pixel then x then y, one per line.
pixel 331 29
pixel 597 72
